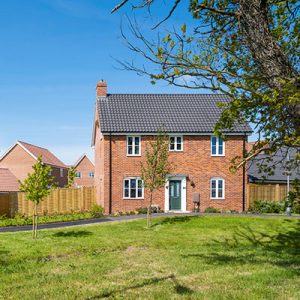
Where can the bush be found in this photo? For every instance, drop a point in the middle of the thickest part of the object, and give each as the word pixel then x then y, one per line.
pixel 211 210
pixel 20 220
pixel 142 210
pixel 261 207
pixel 97 211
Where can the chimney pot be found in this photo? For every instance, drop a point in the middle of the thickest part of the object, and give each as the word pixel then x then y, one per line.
pixel 101 88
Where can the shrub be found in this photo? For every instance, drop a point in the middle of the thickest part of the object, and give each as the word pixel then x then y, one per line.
pixel 211 210
pixel 97 211
pixel 261 207
pixel 142 210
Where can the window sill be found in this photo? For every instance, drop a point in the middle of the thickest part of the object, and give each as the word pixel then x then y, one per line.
pixel 133 198
pixel 133 155
pixel 217 155
pixel 175 150
pixel 217 199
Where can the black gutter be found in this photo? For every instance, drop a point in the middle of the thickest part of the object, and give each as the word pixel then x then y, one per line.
pixel 110 174
pixel 244 173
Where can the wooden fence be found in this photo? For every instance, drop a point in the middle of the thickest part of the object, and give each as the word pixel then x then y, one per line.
pixel 266 192
pixel 59 201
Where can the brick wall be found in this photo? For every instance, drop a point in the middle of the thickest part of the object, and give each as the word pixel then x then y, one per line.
pixel 195 161
pixel 85 167
pixel 20 163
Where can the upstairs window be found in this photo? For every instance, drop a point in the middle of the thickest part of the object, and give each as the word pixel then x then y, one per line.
pixel 78 174
pixel 133 188
pixel 91 174
pixel 61 172
pixel 217 146
pixel 176 143
pixel 133 145
pixel 217 188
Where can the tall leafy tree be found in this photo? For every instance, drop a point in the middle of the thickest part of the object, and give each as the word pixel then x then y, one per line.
pixel 248 50
pixel 156 167
pixel 36 187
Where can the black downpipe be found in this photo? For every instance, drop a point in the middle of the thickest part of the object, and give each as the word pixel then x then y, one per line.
pixel 244 174
pixel 110 173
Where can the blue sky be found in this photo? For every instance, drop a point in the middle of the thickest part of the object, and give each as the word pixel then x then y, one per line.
pixel 52 54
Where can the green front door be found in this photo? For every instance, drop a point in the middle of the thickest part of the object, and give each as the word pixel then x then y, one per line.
pixel 175 194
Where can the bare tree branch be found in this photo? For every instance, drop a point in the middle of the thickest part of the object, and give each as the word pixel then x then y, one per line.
pixel 119 6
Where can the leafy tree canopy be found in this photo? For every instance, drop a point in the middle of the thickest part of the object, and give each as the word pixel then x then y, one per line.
pixel 248 50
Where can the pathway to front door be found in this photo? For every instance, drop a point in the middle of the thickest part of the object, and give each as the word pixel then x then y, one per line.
pixel 175 194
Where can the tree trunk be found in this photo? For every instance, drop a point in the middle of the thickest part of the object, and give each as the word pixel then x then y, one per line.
pixel 265 51
pixel 149 212
pixel 36 223
pixel 33 222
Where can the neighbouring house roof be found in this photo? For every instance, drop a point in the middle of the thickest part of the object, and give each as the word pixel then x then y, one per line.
pixel 8 182
pixel 279 176
pixel 35 151
pixel 80 160
pixel 174 113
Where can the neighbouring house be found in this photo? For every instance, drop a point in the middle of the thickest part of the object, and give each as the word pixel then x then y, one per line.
pixel 85 171
pixel 20 158
pixel 8 182
pixel 124 125
pixel 279 174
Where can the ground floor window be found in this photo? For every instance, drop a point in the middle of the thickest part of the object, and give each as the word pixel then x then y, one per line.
pixel 133 188
pixel 217 188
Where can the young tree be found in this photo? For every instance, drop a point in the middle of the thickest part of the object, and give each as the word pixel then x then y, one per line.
pixel 156 167
pixel 36 187
pixel 71 176
pixel 249 50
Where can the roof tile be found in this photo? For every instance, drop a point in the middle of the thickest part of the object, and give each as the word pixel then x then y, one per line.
pixel 146 113
pixel 8 182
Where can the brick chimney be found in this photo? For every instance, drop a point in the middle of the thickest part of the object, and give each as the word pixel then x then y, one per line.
pixel 101 88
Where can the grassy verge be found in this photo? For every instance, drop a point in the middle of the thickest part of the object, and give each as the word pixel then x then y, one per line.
pixel 178 258
pixel 23 220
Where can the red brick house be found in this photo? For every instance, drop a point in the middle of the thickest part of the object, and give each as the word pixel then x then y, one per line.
pixel 20 158
pixel 85 171
pixel 124 124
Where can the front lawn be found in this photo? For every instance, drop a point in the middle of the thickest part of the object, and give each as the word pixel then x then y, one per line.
pixel 182 257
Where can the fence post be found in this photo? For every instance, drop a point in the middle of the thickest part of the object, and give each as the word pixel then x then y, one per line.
pixel 277 192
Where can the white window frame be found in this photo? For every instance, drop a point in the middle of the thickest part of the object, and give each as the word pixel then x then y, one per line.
pixel 136 179
pixel 217 146
pixel 217 179
pixel 93 176
pixel 133 145
pixel 61 172
pixel 77 172
pixel 176 143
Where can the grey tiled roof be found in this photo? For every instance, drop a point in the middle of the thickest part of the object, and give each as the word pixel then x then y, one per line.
pixel 279 161
pixel 145 113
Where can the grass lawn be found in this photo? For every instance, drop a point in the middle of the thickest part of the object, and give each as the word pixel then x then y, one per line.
pixel 182 257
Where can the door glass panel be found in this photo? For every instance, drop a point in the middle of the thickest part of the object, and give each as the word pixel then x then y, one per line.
pixel 177 189
pixel 172 190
